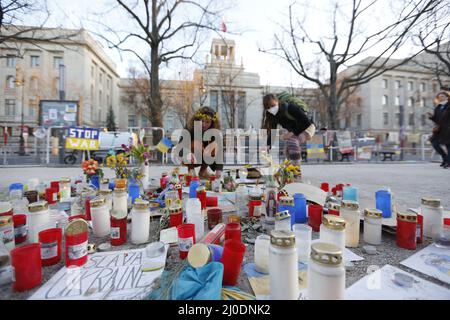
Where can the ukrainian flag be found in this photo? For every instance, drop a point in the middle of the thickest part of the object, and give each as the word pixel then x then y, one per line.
pixel 164 145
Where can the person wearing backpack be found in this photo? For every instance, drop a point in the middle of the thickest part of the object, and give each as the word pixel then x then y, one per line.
pixel 292 118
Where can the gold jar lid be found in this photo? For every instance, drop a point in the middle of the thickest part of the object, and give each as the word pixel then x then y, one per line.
pixel 407 216
pixel 283 193
pixel 175 209
pixel 286 201
pixel 334 206
pixel 65 180
pixel 141 204
pixel 282 238
pixel 97 202
pixel 105 192
pixel 120 190
pixel 333 222
pixel 103 181
pixel 326 254
pixel 38 206
pixel 178 186
pixel 373 213
pixel 76 227
pixel 282 215
pixel 255 197
pixel 348 204
pixel 432 202
pixel 5 221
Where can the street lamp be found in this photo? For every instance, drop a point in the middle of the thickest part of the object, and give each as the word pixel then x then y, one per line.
pixel 20 83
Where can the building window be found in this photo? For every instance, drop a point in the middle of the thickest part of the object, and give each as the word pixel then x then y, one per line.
pixel 144 122
pixel 385 118
pixel 10 107
pixel 35 61
pixel 100 97
pixel 92 95
pixel 384 83
pixel 10 82
pixel 100 77
pixel 108 101
pixel 10 61
pixel 410 86
pixel 32 108
pixel 241 109
pixel 397 84
pixel 410 102
pixel 92 71
pixel 100 115
pixel 423 120
pixel 227 107
pixel 411 119
pixel 34 84
pixel 424 102
pixel 434 87
pixel 108 83
pixel 214 100
pixel 397 118
pixel 397 100
pixel 385 100
pixel 131 120
pixel 423 87
pixel 57 61
pixel 359 120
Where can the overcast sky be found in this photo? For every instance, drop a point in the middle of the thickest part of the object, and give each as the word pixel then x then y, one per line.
pixel 256 21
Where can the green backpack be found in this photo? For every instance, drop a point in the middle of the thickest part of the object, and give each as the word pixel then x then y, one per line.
pixel 286 97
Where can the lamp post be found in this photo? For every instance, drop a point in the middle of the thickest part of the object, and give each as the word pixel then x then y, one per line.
pixel 20 83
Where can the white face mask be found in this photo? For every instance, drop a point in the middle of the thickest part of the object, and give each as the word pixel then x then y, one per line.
pixel 273 110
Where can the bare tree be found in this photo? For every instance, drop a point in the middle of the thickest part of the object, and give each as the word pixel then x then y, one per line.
pixel 16 31
pixel 339 50
pixel 169 30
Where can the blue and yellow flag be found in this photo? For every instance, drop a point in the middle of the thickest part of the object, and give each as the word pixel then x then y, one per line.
pixel 164 145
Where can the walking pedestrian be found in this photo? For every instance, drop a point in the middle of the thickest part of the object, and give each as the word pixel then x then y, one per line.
pixel 441 131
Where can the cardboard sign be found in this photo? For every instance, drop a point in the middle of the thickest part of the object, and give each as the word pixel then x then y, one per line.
pixel 344 139
pixel 365 153
pixel 315 148
pixel 82 139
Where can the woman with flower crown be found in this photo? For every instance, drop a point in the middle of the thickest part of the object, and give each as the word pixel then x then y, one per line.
pixel 210 120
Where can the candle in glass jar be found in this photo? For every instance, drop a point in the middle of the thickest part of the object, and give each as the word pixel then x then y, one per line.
pixel 107 194
pixel 283 266
pixel 201 195
pixel 372 226
pixel 262 245
pixel 432 213
pixel 286 203
pixel 100 217
pixel 350 213
pixel 326 273
pixel 118 231
pixel 332 230
pixel 120 203
pixel 104 184
pixel 7 231
pixel 65 188
pixel 406 230
pixel 175 216
pixel 334 209
pixel 37 219
pixel 140 222
pixel 283 220
pixel 76 242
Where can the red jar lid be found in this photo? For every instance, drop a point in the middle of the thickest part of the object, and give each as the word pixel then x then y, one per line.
pixel 447 221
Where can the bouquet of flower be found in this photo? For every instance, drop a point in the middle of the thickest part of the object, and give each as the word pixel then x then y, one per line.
pixel 90 168
pixel 287 173
pixel 140 152
pixel 119 164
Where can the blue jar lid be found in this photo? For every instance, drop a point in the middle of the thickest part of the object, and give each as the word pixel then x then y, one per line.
pixel 16 186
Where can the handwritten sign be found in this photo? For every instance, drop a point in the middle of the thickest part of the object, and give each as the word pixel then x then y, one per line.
pixel 116 275
pixel 83 139
pixel 344 139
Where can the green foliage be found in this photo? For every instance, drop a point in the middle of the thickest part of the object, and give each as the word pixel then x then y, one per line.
pixel 111 120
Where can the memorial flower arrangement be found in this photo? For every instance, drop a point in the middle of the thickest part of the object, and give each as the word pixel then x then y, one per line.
pixel 140 152
pixel 119 163
pixel 91 168
pixel 287 173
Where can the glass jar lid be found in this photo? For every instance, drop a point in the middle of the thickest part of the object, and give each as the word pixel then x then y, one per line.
pixel 120 190
pixel 283 215
pixel 286 201
pixel 407 216
pixel 76 227
pixel 141 204
pixel 373 213
pixel 432 202
pixel 282 238
pixel 38 206
pixel 334 206
pixel 348 204
pixel 333 222
pixel 175 209
pixel 199 255
pixel 326 254
pixel 97 202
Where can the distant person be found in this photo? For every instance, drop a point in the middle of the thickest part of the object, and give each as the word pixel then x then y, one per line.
pixel 210 120
pixel 293 119
pixel 441 131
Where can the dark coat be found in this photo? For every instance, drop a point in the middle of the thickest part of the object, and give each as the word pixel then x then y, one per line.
pixel 441 117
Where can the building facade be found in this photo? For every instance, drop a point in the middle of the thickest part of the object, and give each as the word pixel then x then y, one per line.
pixel 90 77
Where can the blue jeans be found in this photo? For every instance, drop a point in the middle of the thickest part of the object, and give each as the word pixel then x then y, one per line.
pixel 445 155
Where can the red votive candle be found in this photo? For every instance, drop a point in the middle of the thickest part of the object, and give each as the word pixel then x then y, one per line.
pixel 232 257
pixel 233 231
pixel 214 217
pixel 201 195
pixel 20 228
pixel 76 236
pixel 51 195
pixel 325 186
pixel 50 240
pixel 55 185
pixel 419 231
pixel 188 180
pixel 175 216
pixel 186 238
pixel 315 216
pixel 118 231
pixel 406 230
pixel 26 261
pixel 212 201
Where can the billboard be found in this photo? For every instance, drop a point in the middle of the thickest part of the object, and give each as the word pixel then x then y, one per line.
pixel 58 113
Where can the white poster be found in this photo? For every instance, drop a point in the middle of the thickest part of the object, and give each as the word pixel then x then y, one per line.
pixel 432 261
pixel 115 275
pixel 391 283
pixel 53 114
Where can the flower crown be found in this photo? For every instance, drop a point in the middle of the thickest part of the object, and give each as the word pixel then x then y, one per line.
pixel 202 116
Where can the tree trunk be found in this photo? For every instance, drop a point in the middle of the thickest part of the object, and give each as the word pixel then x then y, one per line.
pixel 332 108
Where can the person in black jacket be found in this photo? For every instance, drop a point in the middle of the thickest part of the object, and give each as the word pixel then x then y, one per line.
pixel 441 132
pixel 293 119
